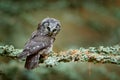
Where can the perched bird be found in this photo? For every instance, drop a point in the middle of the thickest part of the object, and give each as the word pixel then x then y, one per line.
pixel 41 42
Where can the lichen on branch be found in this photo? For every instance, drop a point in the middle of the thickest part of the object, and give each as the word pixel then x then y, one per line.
pixel 92 54
pixel 9 51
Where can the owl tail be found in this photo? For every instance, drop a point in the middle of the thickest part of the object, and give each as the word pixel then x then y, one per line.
pixel 32 61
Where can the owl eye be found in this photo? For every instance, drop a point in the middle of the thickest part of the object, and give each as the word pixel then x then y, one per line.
pixel 46 24
pixel 48 28
pixel 54 30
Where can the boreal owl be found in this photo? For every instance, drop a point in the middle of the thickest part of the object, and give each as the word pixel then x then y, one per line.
pixel 41 42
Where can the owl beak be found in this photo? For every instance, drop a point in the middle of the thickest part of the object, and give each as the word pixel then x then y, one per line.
pixel 50 33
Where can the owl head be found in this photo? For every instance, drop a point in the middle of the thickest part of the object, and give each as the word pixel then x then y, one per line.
pixel 49 27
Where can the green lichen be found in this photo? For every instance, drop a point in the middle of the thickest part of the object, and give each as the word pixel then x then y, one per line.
pixel 92 54
pixel 9 51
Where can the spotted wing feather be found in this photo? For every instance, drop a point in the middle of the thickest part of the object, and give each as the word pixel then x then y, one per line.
pixel 35 45
pixel 32 48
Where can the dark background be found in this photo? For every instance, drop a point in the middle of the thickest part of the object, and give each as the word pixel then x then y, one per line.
pixel 84 23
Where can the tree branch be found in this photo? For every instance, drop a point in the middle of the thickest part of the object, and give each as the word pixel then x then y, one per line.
pixel 92 54
pixel 9 51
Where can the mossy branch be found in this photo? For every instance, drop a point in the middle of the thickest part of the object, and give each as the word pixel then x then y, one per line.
pixel 92 54
pixel 9 51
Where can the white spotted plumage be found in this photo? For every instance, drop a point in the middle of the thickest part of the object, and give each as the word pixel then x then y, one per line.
pixel 41 42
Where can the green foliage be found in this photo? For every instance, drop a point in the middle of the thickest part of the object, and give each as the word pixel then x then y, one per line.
pixel 63 71
pixel 22 17
pixel 87 22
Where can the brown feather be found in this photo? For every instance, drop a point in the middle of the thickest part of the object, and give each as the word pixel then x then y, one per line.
pixel 32 61
pixel 40 43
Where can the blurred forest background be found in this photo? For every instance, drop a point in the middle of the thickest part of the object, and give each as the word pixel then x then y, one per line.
pixel 84 23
